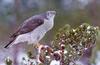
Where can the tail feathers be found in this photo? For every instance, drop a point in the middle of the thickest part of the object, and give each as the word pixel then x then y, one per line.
pixel 9 44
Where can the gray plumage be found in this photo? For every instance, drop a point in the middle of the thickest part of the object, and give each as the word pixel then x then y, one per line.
pixel 33 29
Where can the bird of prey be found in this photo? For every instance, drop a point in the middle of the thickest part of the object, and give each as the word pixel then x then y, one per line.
pixel 33 29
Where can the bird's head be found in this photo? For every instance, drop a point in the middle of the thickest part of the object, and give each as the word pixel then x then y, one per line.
pixel 50 14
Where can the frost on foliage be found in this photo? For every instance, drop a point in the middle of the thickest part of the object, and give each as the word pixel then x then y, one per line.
pixel 75 41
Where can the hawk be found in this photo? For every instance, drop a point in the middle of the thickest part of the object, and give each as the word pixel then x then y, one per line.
pixel 33 29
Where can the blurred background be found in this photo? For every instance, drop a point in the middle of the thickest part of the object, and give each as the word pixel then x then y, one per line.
pixel 73 12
